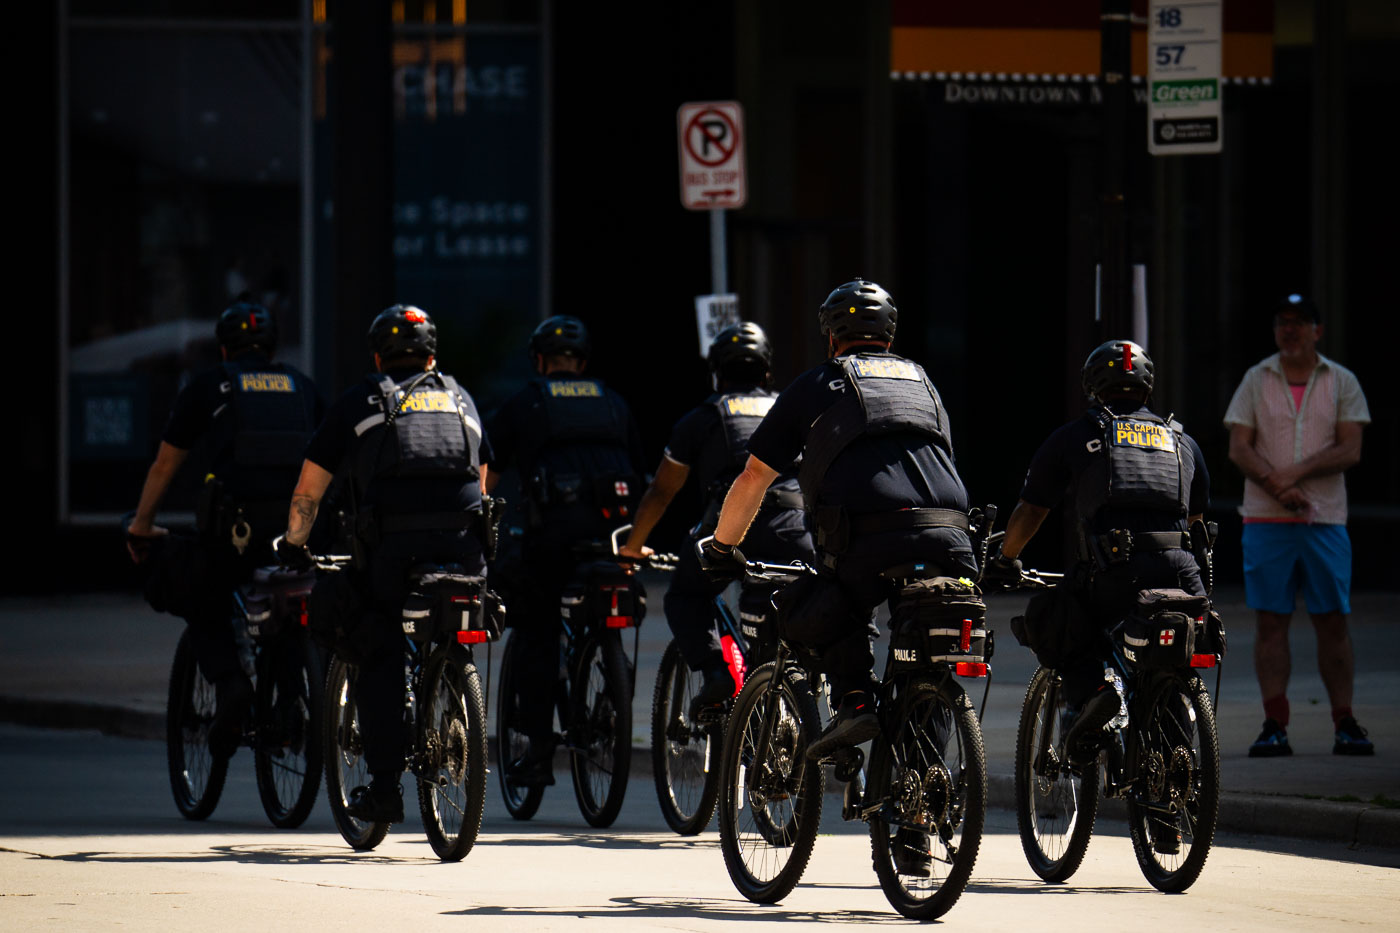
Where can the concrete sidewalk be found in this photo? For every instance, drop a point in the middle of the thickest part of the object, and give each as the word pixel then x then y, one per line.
pixel 101 661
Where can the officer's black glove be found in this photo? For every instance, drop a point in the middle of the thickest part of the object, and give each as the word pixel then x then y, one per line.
pixel 1001 571
pixel 292 556
pixel 721 562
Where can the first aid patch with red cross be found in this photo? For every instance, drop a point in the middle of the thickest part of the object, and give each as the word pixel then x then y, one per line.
pixel 1167 637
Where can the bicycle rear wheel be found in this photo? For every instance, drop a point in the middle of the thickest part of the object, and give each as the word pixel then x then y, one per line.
pixel 770 809
pixel 600 728
pixel 344 754
pixel 196 775
pixel 1055 804
pixel 686 783
pixel 511 743
pixel 287 751
pixel 452 749
pixel 928 772
pixel 1172 814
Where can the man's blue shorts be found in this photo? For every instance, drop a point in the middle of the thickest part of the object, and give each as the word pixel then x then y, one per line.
pixel 1278 556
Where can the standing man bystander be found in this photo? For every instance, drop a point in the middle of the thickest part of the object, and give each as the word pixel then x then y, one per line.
pixel 1295 425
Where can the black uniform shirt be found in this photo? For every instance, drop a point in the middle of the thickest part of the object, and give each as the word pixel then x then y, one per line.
pixel 335 439
pixel 510 424
pixel 882 473
pixel 697 441
pixel 1069 450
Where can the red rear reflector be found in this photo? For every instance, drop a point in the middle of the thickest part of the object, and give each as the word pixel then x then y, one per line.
pixel 970 669
pixel 470 638
pixel 966 634
pixel 619 621
pixel 1203 660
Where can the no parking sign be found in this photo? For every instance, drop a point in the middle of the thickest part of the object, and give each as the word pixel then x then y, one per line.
pixel 712 155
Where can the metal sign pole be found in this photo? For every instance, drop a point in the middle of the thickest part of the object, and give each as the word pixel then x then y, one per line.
pixel 719 274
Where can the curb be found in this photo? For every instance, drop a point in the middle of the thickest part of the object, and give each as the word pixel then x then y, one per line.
pixel 1247 814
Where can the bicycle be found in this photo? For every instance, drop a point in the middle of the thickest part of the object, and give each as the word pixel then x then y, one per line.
pixel 924 792
pixel 1164 763
pixel 682 746
pixel 446 613
pixel 269 619
pixel 593 696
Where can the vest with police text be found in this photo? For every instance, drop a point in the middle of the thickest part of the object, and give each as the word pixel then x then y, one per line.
pixel 884 394
pixel 739 415
pixel 1141 468
pixel 265 416
pixel 426 427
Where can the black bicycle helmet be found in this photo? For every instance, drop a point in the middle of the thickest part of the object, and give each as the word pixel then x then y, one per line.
pixel 246 325
pixel 561 335
pixel 743 344
pixel 403 330
pixel 1117 364
pixel 858 310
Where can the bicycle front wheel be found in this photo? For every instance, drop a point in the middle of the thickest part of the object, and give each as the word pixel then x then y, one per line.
pixel 196 774
pixel 770 801
pixel 600 728
pixel 1173 810
pixel 686 783
pixel 511 742
pixel 452 749
pixel 344 754
pixel 1055 803
pixel 287 753
pixel 928 772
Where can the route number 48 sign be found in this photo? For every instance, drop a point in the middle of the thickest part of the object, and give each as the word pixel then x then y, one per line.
pixel 1184 113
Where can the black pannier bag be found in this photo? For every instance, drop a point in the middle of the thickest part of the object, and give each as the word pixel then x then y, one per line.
pixel 444 603
pixel 1056 627
pixel 276 600
pixel 757 619
pixel 177 573
pixel 939 619
pixel 604 595
pixel 1161 631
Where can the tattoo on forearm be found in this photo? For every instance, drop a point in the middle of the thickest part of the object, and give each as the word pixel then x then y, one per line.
pixel 300 519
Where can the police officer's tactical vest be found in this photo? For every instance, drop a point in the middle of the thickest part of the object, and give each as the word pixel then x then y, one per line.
pixel 739 416
pixel 885 394
pixel 1142 467
pixel 265 413
pixel 426 428
pixel 575 447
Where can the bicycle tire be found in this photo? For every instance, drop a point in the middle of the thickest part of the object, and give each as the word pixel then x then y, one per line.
pixel 766 852
pixel 287 748
pixel 600 728
pixel 196 775
pixel 511 743
pixel 344 756
pixel 1192 776
pixel 1055 811
pixel 928 769
pixel 687 784
pixel 452 752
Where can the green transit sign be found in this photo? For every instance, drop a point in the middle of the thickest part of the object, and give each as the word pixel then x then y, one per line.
pixel 1185 92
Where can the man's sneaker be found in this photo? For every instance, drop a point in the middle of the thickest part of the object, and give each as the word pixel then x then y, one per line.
pixel 380 802
pixel 717 688
pixel 1272 742
pixel 1084 737
pixel 232 695
pixel 911 854
pixel 855 722
pixel 535 768
pixel 1351 739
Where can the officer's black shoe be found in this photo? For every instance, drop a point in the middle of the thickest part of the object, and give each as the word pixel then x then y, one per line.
pixel 911 853
pixel 232 695
pixel 717 688
pixel 535 768
pixel 380 802
pixel 1085 735
pixel 855 722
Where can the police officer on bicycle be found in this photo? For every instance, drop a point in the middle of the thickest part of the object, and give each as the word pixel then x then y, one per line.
pixel 409 444
pixel 257 414
pixel 578 452
pixel 1133 483
pixel 880 487
pixel 712 440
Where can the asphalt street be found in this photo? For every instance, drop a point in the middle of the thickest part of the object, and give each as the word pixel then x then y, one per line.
pixel 89 839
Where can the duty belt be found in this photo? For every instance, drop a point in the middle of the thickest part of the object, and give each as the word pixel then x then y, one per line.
pixel 782 499
pixel 1160 541
pixel 907 518
pixel 434 521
